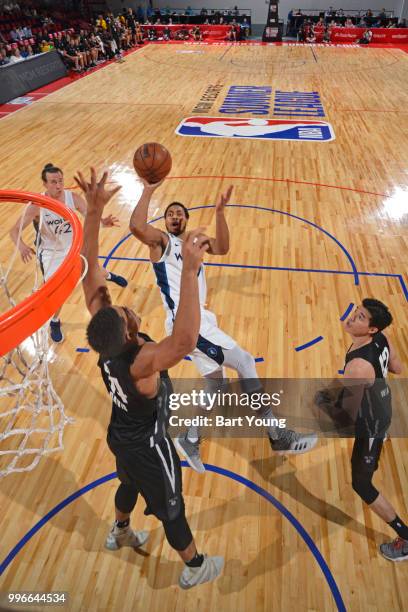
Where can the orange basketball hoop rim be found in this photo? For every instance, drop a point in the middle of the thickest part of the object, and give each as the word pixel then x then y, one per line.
pixel 29 315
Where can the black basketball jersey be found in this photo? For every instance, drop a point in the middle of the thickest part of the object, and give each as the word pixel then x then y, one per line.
pixel 135 419
pixel 375 412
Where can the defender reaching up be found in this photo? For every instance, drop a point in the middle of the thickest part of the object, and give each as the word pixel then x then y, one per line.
pixel 133 369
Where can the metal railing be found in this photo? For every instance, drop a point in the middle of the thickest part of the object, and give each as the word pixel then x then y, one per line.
pixel 223 12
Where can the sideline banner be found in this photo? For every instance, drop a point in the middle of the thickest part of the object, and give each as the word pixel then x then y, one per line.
pixel 18 79
pixel 380 35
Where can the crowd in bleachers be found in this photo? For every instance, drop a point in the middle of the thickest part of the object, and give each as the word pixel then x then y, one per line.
pixel 26 31
pixel 83 44
pixel 310 28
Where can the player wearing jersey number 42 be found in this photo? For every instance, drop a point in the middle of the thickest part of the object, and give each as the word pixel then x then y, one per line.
pixel 365 402
pixel 54 234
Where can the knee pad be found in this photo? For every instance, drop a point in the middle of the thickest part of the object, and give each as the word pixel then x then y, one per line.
pixel 126 498
pixel 178 532
pixel 363 486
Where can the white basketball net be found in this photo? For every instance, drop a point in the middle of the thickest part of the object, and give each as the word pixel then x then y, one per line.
pixel 32 417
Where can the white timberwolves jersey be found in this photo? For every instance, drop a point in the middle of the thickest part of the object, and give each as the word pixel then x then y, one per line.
pixel 168 276
pixel 54 232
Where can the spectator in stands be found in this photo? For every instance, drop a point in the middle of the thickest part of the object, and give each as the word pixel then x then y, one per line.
pixel 245 28
pixel 149 12
pixel 402 23
pixel 27 52
pixel 340 13
pixel 381 19
pixel 310 36
pixel 139 14
pixel 4 58
pixel 95 48
pixel 14 35
pixel 329 14
pixel 101 22
pixel 27 33
pixel 45 46
pixel 232 34
pixel 72 55
pixel 166 33
pixel 326 35
pixel 301 33
pixel 182 34
pixel 11 7
pixel 151 34
pixel 366 38
pixel 15 56
pixel 392 24
pixel 196 33
pixel 139 34
pixel 319 29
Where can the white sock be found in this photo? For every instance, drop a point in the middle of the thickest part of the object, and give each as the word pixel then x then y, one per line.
pixel 108 276
pixel 55 319
pixel 192 434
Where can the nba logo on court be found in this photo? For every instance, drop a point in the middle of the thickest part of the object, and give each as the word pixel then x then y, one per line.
pixel 256 129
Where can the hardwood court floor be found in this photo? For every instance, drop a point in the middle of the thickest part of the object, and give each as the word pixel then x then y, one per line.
pixel 291 284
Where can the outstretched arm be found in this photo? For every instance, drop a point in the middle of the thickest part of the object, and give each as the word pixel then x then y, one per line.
pixel 80 206
pixel 31 213
pixel 151 236
pixel 220 244
pixel 94 284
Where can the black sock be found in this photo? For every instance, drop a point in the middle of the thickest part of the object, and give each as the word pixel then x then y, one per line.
pixel 399 527
pixel 196 561
pixel 122 524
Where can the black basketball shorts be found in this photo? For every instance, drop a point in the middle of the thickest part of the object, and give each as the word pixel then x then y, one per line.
pixel 156 474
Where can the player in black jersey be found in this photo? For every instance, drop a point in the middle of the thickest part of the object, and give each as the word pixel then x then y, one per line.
pixel 134 372
pixel 366 398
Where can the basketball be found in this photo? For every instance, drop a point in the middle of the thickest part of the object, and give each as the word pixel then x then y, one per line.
pixel 152 162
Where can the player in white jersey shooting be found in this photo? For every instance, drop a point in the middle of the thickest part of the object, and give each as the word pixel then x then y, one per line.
pixel 54 233
pixel 215 349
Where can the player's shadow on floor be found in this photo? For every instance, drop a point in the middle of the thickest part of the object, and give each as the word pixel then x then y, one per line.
pixel 290 484
pixel 82 518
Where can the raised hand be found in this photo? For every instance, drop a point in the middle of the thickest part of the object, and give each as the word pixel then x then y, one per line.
pixel 96 194
pixel 110 221
pixel 194 247
pixel 150 186
pixel 26 252
pixel 223 200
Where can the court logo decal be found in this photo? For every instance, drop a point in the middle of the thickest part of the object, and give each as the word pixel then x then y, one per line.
pixel 243 99
pixel 256 129
pixel 22 100
pixel 298 104
pixel 208 98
